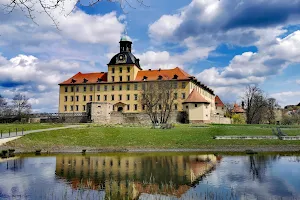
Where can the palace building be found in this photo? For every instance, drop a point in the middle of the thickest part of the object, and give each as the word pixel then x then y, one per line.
pixel 119 89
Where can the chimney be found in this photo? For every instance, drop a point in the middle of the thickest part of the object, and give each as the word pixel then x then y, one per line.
pixel 159 69
pixel 149 69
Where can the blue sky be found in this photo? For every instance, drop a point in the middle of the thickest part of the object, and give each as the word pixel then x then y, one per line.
pixel 226 44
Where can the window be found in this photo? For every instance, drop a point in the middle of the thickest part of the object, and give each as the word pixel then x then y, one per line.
pixel 112 78
pixel 120 69
pixel 175 95
pixel 186 107
pixel 112 97
pixel 66 89
pixel 175 85
pixel 65 108
pixel 143 86
pixel 135 86
pixel 72 89
pixel 183 85
pixel 77 88
pixel 120 87
pixel 98 97
pixel 72 98
pixel 128 78
pixel 66 98
pixel 113 70
pixel 77 98
pixel 84 98
pixel 135 97
pixel 120 97
pixel 183 95
pixel 98 87
pixel 77 107
pixel 120 78
pixel 159 106
pixel 83 107
pixel 112 87
pixel 128 97
pixel 135 106
pixel 206 107
pixel 128 87
pixel 84 88
pixel 91 88
pixel 175 106
pixel 71 108
pixel 128 69
pixel 128 107
pixel 91 97
pixel 105 87
pixel 196 105
pixel 105 97
pixel 144 107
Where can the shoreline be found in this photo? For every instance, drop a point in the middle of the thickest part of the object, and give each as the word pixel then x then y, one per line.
pixel 224 149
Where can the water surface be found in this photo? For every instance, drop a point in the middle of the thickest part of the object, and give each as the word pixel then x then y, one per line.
pixel 151 176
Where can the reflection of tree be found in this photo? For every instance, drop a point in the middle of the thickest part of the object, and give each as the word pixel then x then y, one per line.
pixel 259 164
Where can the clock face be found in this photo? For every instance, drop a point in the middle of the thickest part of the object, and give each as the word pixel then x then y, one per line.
pixel 121 58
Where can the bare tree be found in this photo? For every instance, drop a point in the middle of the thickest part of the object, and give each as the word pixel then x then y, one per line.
pixel 229 109
pixel 21 105
pixel 3 105
pixel 158 98
pixel 255 102
pixel 33 7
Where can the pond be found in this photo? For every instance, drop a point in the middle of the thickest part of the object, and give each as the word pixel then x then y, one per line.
pixel 151 176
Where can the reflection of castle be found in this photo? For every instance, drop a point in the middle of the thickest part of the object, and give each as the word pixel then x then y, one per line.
pixel 131 176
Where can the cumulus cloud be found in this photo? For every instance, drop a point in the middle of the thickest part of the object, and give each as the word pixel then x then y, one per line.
pixel 209 22
pixel 35 78
pixel 165 60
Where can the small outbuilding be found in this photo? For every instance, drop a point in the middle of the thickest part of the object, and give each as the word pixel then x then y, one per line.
pixel 197 108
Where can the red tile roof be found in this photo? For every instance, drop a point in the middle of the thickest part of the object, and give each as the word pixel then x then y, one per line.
pixel 237 109
pixel 195 97
pixel 166 74
pixel 219 102
pixel 91 78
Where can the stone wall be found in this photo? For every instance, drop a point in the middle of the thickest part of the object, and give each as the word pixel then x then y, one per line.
pixel 137 118
pixel 99 112
pixel 220 119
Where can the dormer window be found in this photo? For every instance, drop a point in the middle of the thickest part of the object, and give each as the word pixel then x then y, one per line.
pixel 145 78
pixel 175 76
pixel 85 80
pixel 99 80
pixel 159 77
pixel 73 81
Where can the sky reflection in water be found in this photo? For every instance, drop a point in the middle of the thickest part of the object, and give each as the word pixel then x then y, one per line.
pixel 129 176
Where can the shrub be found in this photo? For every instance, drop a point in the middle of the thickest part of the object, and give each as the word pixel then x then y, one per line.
pixel 238 119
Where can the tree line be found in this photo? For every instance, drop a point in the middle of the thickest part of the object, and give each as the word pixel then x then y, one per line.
pixel 18 106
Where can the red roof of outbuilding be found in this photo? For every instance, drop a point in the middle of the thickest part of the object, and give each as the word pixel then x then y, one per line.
pixel 237 109
pixel 91 78
pixel 195 97
pixel 219 102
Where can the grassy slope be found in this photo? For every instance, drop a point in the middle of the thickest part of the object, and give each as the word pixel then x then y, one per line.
pixel 143 137
pixel 12 127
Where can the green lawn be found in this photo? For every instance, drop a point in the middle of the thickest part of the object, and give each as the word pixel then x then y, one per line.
pixel 182 136
pixel 26 127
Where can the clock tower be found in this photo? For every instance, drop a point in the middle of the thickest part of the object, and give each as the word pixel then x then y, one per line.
pixel 124 65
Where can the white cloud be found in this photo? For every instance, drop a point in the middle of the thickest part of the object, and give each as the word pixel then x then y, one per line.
pixel 35 78
pixel 287 97
pixel 298 82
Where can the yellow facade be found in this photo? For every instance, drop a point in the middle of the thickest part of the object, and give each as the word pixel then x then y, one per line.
pixel 102 92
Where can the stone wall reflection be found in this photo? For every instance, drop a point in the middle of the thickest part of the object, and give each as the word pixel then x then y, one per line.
pixel 131 176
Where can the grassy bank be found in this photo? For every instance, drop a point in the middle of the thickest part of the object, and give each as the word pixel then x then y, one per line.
pixel 26 127
pixel 182 136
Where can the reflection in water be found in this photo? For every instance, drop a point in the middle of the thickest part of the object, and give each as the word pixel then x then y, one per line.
pixel 143 176
pixel 129 177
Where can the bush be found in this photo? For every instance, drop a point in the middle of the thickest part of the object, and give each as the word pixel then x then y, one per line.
pixel 238 119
